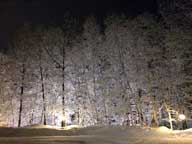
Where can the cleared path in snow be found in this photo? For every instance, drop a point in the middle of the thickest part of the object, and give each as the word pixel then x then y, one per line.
pixel 91 140
pixel 93 135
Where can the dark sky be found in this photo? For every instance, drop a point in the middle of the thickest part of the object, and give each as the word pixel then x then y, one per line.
pixel 14 13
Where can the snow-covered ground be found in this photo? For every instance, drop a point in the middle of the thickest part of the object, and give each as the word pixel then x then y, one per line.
pixel 93 135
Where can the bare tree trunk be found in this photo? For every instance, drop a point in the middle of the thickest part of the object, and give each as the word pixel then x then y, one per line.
pixel 105 108
pixel 78 102
pixel 12 111
pixel 154 121
pixel 42 88
pixel 94 91
pixel 139 109
pixel 43 94
pixel 169 115
pixel 154 115
pixel 63 86
pixel 21 94
pixel 31 118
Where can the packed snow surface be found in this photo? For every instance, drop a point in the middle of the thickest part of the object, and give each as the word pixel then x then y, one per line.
pixel 39 134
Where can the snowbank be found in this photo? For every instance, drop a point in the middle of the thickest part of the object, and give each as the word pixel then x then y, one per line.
pixel 118 132
pixel 42 127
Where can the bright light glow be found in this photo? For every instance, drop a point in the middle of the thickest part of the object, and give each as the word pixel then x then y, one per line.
pixel 59 118
pixel 71 127
pixel 164 129
pixel 62 118
pixel 182 117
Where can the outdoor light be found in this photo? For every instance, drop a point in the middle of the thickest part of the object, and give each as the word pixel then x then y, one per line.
pixel 182 117
pixel 62 118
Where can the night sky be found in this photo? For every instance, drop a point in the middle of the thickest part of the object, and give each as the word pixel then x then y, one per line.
pixel 14 13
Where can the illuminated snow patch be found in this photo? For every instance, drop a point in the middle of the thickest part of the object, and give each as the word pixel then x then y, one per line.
pixel 164 129
pixel 71 127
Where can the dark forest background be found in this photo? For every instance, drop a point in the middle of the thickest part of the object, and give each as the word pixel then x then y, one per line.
pixel 118 70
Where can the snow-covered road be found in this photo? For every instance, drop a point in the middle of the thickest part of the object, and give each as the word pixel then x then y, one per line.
pixel 60 140
pixel 91 140
pixel 94 135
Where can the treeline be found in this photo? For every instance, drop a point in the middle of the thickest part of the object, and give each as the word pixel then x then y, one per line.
pixel 120 76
